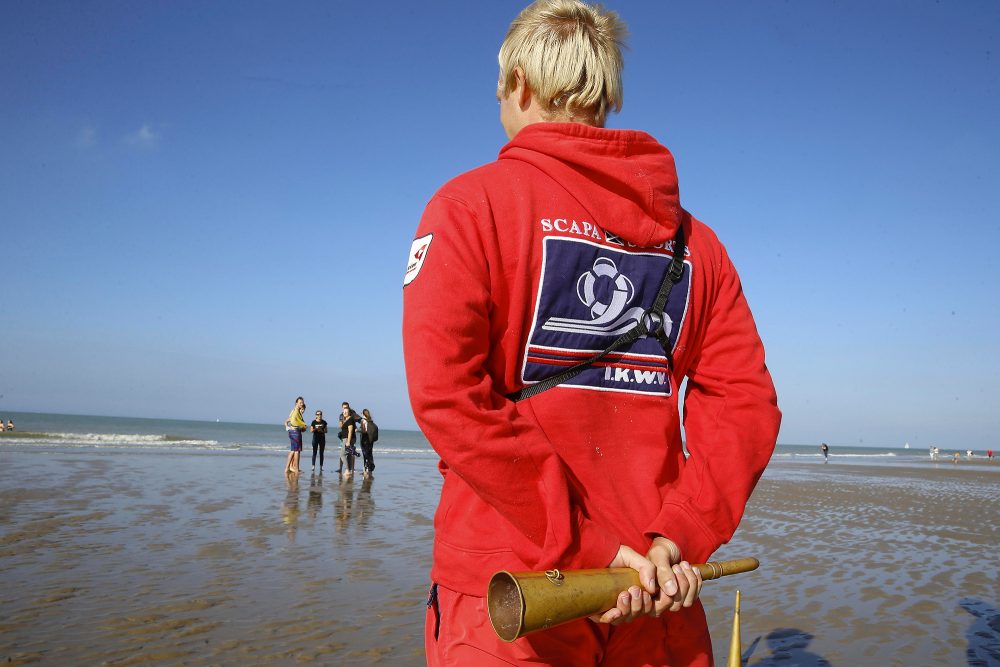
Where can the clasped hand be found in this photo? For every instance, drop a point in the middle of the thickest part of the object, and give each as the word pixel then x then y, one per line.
pixel 668 583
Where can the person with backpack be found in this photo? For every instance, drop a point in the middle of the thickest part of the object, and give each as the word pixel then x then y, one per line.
pixel 369 435
pixel 348 436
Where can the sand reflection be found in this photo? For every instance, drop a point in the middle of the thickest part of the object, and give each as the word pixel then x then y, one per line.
pixel 315 502
pixel 355 505
pixel 290 508
pixel 365 507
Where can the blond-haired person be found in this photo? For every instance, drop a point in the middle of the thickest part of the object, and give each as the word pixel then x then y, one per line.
pixel 574 239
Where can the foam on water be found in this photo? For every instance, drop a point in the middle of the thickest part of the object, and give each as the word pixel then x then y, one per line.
pixel 104 440
pixel 780 454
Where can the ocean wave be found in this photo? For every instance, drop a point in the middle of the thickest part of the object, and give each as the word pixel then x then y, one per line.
pixel 168 442
pixel 104 440
pixel 402 450
pixel 785 455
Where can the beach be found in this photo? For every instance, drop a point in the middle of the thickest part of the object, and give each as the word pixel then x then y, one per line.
pixel 154 556
pixel 867 565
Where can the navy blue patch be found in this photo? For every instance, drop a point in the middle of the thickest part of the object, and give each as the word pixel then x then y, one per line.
pixel 588 296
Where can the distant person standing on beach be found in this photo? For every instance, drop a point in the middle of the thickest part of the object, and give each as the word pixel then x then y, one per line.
pixel 989 454
pixel 10 424
pixel 295 426
pixel 572 241
pixel 347 439
pixel 826 452
pixel 369 434
pixel 318 429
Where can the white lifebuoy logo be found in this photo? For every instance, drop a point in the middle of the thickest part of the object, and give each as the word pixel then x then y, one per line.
pixel 607 292
pixel 418 253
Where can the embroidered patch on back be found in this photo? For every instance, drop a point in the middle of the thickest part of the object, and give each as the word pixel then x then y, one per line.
pixel 588 296
pixel 418 252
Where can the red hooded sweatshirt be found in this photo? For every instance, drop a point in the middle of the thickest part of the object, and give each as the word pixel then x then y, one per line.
pixel 528 264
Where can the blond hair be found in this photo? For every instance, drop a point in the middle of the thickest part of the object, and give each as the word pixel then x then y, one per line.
pixel 571 55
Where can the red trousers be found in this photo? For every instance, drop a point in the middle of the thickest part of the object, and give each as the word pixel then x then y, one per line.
pixel 457 633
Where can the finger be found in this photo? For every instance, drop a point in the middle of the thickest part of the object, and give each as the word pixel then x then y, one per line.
pixel 682 587
pixel 695 584
pixel 635 599
pixel 609 616
pixel 629 557
pixel 647 603
pixel 660 604
pixel 622 608
pixel 668 588
pixel 645 568
pixel 665 577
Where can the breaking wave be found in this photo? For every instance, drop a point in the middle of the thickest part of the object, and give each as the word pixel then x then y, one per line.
pixel 168 442
pixel 106 440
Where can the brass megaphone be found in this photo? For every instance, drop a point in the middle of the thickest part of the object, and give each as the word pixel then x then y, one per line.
pixel 523 602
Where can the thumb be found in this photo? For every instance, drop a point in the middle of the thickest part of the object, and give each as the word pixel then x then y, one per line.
pixel 629 557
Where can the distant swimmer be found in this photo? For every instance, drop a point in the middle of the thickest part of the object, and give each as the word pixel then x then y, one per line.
pixel 10 424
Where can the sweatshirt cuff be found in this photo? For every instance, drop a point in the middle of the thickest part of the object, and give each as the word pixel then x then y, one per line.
pixel 680 524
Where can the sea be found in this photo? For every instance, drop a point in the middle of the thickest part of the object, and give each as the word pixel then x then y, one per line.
pixel 44 431
pixel 48 432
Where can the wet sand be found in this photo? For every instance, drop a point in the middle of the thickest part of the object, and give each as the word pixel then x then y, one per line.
pixel 209 559
pixel 151 558
pixel 867 565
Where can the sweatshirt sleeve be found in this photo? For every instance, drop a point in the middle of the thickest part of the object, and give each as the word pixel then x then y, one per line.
pixel 731 421
pixel 490 442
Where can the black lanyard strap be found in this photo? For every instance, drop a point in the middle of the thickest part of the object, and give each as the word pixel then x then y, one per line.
pixel 651 322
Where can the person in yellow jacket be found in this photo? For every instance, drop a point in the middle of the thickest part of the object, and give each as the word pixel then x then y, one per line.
pixel 295 426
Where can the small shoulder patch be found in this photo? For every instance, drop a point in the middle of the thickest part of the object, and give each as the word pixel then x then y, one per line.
pixel 418 253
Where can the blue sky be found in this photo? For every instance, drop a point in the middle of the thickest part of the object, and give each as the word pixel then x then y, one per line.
pixel 205 208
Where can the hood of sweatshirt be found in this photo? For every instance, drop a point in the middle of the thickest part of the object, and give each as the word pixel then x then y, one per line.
pixel 625 179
